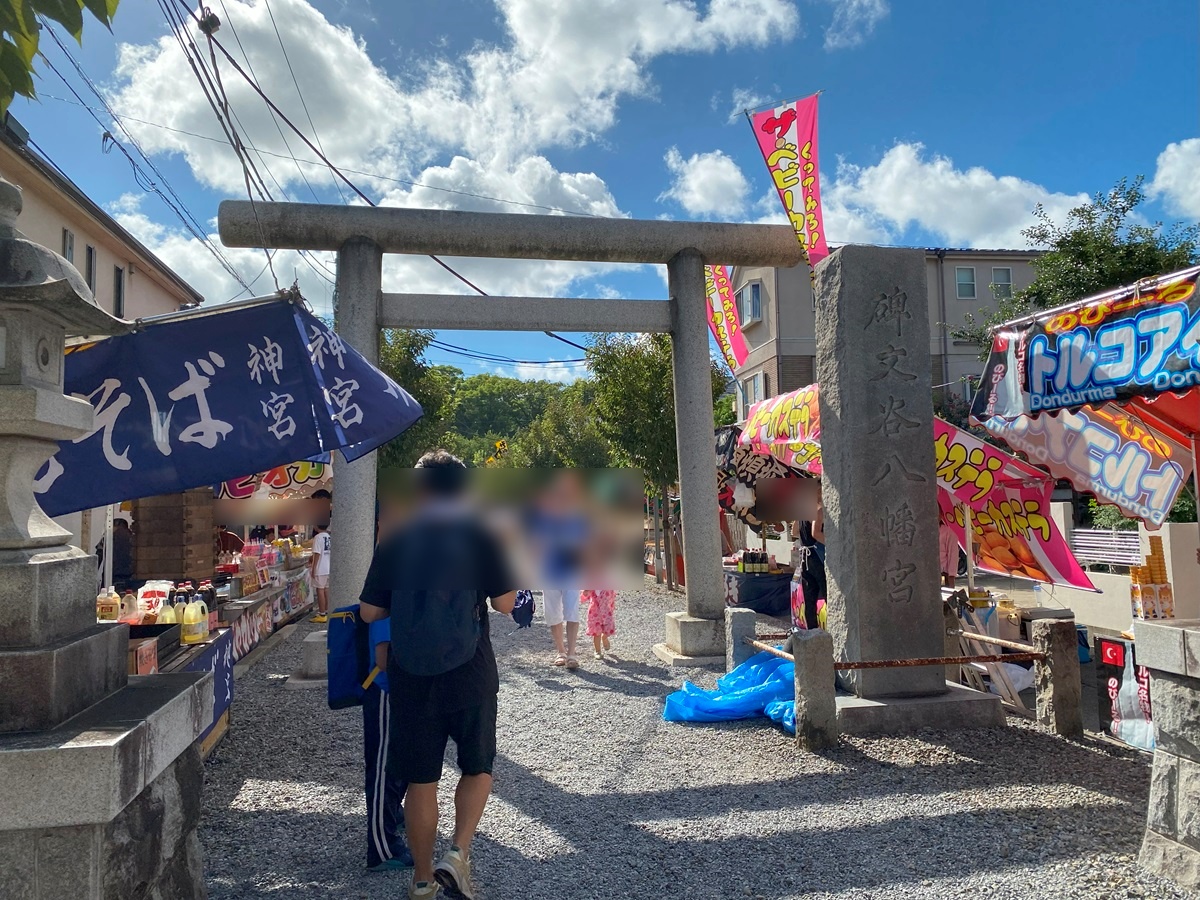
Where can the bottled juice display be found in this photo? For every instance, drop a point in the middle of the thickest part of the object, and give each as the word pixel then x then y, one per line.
pixel 166 615
pixel 127 606
pixel 106 610
pixel 195 622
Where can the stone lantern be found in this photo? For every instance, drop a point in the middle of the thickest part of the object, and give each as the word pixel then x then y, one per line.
pixel 87 753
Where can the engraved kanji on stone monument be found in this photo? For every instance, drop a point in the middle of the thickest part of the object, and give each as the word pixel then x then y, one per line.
pixel 899 525
pixel 890 360
pixel 881 513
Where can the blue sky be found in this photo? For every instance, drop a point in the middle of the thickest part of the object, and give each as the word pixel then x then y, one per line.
pixel 941 124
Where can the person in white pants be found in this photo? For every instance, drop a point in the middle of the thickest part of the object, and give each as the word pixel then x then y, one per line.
pixel 561 609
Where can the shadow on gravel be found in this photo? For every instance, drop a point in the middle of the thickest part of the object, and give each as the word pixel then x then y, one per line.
pixel 667 837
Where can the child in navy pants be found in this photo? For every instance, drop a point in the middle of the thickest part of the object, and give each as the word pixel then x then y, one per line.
pixel 386 848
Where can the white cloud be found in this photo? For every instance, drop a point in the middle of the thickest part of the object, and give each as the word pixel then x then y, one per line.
pixel 466 129
pixel 907 188
pixel 1177 178
pixel 564 373
pixel 853 22
pixel 743 99
pixel 706 183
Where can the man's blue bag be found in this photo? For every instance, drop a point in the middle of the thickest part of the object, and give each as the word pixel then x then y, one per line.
pixel 349 662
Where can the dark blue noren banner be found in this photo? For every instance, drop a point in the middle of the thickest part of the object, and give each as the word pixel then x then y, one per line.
pixel 195 402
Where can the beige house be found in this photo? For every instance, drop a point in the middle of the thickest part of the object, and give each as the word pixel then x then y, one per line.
pixel 125 277
pixel 779 324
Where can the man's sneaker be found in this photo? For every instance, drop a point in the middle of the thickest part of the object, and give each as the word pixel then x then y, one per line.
pixel 454 874
pixel 319 619
pixel 423 890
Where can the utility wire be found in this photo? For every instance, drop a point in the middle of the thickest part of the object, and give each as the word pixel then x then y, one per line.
pixel 174 202
pixel 213 42
pixel 375 175
pixel 299 93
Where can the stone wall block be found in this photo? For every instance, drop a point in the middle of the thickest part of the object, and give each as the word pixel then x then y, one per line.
pixel 1164 784
pixel 816 702
pixel 1175 703
pixel 1188 803
pixel 1059 689
pixel 739 625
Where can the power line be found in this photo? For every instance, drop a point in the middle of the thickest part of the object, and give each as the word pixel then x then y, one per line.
pixel 299 93
pixel 176 204
pixel 213 42
pixel 490 357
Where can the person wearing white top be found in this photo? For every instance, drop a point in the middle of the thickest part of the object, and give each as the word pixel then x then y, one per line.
pixel 319 567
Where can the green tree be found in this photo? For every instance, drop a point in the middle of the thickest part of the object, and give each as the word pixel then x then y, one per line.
pixel 724 412
pixel 496 405
pixel 402 356
pixel 635 403
pixel 1102 245
pixel 566 435
pixel 19 37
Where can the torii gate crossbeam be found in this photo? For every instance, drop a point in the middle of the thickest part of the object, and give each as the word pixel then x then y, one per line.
pixel 361 235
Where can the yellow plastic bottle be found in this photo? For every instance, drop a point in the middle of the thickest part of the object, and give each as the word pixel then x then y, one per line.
pixel 166 615
pixel 195 622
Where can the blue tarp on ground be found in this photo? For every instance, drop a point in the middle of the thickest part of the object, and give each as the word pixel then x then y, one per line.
pixel 764 685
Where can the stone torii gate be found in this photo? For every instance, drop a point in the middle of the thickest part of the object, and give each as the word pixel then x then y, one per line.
pixel 361 235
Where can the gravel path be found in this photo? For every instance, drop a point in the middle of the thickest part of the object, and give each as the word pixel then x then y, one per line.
pixel 597 797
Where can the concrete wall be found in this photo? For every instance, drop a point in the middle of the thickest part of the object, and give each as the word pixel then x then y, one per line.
pixel 47 211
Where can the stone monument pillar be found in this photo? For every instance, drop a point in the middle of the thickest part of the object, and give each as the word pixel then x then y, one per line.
pixel 101 779
pixel 880 492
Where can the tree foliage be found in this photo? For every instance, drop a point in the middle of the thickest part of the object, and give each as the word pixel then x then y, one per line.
pixel 1102 245
pixel 495 405
pixel 19 37
pixel 566 434
pixel 635 402
pixel 402 356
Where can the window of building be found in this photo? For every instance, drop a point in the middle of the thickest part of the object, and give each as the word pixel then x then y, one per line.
pixel 1001 282
pixel 754 389
pixel 749 303
pixel 89 267
pixel 118 292
pixel 68 247
pixel 964 277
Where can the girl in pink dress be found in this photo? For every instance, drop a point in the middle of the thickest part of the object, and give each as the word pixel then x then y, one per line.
pixel 601 618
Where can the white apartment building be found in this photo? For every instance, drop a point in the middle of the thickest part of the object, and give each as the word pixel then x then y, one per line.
pixel 779 322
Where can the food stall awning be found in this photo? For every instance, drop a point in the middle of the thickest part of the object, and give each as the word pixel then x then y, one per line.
pixel 192 402
pixel 1009 499
pixel 1102 392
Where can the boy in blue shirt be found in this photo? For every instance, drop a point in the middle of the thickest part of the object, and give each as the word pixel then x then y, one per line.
pixel 386 848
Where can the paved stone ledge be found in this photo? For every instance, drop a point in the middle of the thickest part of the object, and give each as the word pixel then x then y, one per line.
pixel 92 766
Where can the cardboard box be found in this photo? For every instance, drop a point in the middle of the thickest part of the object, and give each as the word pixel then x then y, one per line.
pixel 143 657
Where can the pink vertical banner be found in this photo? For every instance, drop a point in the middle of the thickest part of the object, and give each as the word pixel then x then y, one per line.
pixel 723 317
pixel 787 137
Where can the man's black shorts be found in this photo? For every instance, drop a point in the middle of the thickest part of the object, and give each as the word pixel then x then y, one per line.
pixel 418 744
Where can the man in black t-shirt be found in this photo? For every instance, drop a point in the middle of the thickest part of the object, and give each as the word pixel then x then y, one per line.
pixel 434 577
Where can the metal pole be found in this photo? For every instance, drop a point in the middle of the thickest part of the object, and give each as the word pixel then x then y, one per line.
pixel 352 526
pixel 970 541
pixel 108 542
pixel 694 436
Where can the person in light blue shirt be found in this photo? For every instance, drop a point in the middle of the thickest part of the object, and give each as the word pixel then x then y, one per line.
pixel 386 847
